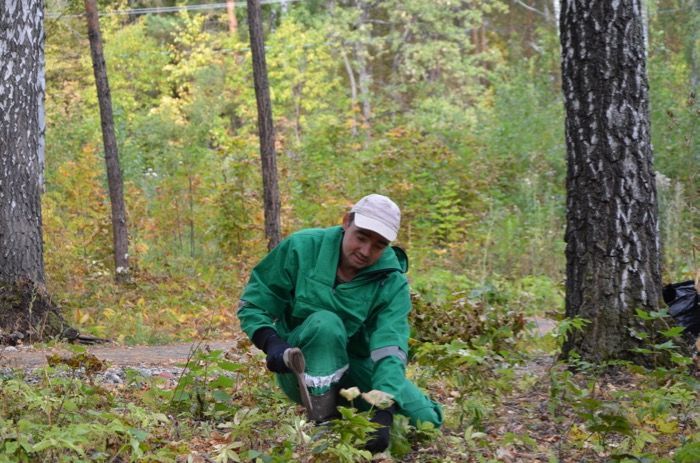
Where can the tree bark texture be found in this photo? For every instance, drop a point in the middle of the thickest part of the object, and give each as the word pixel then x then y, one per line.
pixel 21 121
pixel 612 236
pixel 114 176
pixel 265 126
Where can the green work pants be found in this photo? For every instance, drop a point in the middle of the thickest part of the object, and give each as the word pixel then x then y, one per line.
pixel 323 340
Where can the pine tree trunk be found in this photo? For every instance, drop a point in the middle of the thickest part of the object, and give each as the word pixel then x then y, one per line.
pixel 612 237
pixel 114 177
pixel 265 126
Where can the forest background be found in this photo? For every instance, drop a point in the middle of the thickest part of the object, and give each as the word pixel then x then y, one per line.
pixel 455 112
pixel 453 109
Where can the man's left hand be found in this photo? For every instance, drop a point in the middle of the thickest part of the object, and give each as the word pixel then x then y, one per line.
pixel 379 439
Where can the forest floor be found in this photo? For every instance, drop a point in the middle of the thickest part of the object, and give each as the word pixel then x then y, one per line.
pixel 524 424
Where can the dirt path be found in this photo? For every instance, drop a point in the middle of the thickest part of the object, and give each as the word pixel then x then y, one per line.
pixel 162 355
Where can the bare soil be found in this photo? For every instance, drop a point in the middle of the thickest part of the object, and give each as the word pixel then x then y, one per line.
pixel 162 355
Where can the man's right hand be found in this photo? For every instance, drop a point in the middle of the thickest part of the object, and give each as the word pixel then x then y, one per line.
pixel 269 342
pixel 275 357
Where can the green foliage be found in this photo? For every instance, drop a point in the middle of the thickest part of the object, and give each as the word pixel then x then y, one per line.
pixel 568 326
pixel 674 119
pixel 64 419
pixel 344 438
pixel 465 132
pixel 688 453
pixel 663 343
pixel 304 79
pixel 206 386
pixel 522 145
pixel 489 314
pixel 628 422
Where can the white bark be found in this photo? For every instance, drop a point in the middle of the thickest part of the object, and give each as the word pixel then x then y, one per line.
pixel 21 140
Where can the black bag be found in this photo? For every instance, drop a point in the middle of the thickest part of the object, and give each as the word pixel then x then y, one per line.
pixel 684 305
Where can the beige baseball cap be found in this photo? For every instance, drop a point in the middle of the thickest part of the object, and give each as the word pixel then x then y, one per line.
pixel 379 214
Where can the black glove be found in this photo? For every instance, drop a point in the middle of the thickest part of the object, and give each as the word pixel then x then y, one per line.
pixel 379 439
pixel 269 342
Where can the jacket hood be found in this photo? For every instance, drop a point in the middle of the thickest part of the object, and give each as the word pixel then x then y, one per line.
pixel 401 257
pixel 393 259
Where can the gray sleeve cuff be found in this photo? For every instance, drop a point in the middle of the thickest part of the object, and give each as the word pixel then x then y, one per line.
pixel 382 352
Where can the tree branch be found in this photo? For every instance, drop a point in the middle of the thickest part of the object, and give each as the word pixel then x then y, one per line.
pixel 528 7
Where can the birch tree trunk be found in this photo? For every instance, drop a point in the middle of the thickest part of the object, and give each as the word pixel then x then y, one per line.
pixel 265 126
pixel 21 104
pixel 26 311
pixel 114 176
pixel 612 237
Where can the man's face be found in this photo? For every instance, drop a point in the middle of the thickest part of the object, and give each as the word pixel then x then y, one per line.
pixel 361 248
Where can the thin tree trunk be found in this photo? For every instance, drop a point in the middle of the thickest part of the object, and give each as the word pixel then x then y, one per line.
pixel 363 71
pixel 178 225
pixel 695 54
pixel 298 92
pixel 232 21
pixel 365 79
pixel 612 237
pixel 114 175
pixel 191 218
pixel 353 91
pixel 365 97
pixel 265 126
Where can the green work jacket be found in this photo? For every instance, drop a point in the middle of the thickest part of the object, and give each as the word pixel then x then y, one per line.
pixel 298 278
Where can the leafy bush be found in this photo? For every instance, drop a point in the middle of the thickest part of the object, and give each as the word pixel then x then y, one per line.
pixel 63 418
pixel 479 316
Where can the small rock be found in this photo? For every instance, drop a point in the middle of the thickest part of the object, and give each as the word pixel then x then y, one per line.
pixel 10 349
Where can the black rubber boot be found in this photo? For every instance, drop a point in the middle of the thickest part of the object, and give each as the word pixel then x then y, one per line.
pixel 324 406
pixel 319 408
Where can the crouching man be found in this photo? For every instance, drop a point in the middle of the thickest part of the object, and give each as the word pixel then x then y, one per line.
pixel 330 309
